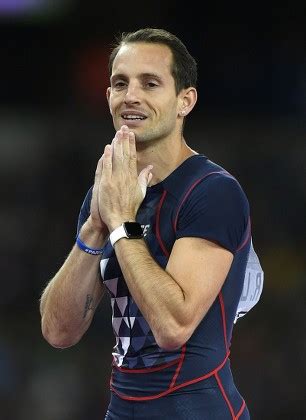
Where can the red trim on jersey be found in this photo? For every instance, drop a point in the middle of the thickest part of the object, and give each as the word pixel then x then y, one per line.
pixel 224 395
pixel 174 388
pixel 179 366
pixel 148 370
pixel 222 307
pixel 189 191
pixel 158 235
pixel 241 410
pixel 247 236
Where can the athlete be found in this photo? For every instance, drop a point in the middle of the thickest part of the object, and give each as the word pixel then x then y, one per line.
pixel 167 233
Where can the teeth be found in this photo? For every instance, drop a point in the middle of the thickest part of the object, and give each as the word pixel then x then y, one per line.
pixel 133 117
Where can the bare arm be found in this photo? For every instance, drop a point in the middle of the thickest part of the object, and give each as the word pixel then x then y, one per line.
pixel 69 301
pixel 174 301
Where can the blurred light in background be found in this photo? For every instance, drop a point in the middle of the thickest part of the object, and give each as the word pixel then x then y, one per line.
pixel 28 8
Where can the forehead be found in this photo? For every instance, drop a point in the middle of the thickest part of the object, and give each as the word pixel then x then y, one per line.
pixel 143 58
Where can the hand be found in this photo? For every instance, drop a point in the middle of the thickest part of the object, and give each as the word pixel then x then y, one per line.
pixel 96 220
pixel 121 189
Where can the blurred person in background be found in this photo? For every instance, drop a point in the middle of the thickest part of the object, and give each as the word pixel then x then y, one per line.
pixel 167 233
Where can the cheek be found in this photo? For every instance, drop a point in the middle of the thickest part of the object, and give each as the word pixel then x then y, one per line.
pixel 111 105
pixel 170 111
pixel 172 106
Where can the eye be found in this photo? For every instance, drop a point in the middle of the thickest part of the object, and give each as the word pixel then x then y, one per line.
pixel 119 84
pixel 151 84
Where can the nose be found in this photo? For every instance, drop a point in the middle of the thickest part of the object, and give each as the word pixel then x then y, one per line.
pixel 132 94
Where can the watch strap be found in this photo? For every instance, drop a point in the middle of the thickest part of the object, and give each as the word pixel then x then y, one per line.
pixel 117 234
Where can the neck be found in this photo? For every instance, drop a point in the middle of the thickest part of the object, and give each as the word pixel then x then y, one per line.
pixel 164 158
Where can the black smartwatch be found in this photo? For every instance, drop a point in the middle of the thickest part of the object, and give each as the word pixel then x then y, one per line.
pixel 130 230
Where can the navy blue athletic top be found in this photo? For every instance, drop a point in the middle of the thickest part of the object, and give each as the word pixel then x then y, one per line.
pixel 198 199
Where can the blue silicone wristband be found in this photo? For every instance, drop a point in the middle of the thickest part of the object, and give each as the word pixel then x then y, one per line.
pixel 87 249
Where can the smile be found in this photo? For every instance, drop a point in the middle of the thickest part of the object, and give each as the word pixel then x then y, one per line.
pixel 133 117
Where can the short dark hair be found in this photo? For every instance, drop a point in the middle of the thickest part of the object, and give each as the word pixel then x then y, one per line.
pixel 184 66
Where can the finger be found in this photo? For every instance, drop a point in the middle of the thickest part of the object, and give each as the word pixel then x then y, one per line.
pixel 125 141
pixel 133 154
pixel 117 149
pixel 107 166
pixel 97 181
pixel 144 179
pixel 98 169
pixel 98 173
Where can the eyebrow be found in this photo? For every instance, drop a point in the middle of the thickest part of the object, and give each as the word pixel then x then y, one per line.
pixel 142 76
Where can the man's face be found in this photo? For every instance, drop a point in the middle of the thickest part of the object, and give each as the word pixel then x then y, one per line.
pixel 142 93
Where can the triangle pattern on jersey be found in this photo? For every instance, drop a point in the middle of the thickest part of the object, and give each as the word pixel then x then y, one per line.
pixel 122 289
pixel 138 342
pixel 132 320
pixel 150 341
pixel 134 311
pixel 116 322
pixel 122 303
pixel 116 311
pixel 133 362
pixel 127 322
pixel 127 310
pixel 137 330
pixel 118 347
pixel 125 343
pixel 124 330
pixel 144 325
pixel 112 285
pixel 112 303
pixel 103 264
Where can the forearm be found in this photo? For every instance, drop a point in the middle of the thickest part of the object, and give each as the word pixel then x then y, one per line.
pixel 159 297
pixel 70 299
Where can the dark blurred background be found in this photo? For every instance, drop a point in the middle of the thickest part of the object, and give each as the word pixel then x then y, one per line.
pixel 54 123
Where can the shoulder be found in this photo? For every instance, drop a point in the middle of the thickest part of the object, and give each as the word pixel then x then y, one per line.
pixel 189 174
pixel 223 183
pixel 210 182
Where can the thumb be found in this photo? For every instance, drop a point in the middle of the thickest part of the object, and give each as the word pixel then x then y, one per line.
pixel 144 179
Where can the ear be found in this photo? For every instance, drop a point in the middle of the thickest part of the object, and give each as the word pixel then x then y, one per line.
pixel 187 100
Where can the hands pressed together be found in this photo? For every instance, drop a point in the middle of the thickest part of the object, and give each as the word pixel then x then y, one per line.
pixel 118 189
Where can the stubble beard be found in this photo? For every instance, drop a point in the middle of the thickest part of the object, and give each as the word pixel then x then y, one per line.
pixel 152 136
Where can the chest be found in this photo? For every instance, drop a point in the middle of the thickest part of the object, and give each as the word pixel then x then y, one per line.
pixel 156 216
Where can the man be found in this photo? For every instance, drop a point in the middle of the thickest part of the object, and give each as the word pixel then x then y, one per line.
pixel 167 233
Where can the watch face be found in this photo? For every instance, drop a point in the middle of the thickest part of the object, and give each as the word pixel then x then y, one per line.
pixel 133 229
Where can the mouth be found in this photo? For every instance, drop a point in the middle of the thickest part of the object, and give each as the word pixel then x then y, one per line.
pixel 133 116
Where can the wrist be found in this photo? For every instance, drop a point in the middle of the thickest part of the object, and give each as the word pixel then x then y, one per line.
pixel 86 248
pixel 91 235
pixel 129 230
pixel 116 223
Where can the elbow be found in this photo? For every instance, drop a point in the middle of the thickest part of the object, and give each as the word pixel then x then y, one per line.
pixel 172 340
pixel 58 338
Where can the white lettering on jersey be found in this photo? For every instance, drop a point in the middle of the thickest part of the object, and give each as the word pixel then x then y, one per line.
pixel 145 229
pixel 253 285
